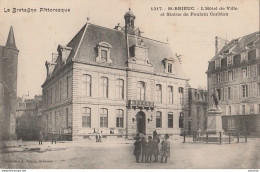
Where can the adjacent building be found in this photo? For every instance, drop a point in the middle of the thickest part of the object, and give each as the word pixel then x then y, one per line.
pixel 234 73
pixel 27 117
pixel 8 86
pixel 115 81
pixel 195 120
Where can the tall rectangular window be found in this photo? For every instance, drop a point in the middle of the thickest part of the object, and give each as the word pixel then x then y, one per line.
pixel 181 117
pixel 140 90
pixel 170 94
pixel 170 120
pixel 217 63
pixel 231 124
pixel 230 75
pixel 158 119
pixel 119 118
pixel 159 93
pixel 169 68
pixel 244 56
pixel 104 87
pixel 181 94
pixel 104 55
pixel 229 60
pixel 218 78
pixel 229 110
pixel 120 88
pixel 103 118
pixel 86 117
pixel 67 117
pixel 86 85
pixel 244 91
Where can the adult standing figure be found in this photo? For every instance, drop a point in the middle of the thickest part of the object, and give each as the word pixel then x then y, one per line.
pixel 166 148
pixel 53 139
pixel 40 138
pixel 156 141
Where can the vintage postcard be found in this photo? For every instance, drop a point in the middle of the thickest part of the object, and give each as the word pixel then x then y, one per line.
pixel 129 84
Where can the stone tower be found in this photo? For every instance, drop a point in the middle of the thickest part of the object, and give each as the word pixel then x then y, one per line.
pixel 8 85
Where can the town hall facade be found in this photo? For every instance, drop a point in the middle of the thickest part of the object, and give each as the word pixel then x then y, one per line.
pixel 114 81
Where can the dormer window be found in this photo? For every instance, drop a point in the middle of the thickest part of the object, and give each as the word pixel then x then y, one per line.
pixel 168 65
pixel 217 63
pixel 103 51
pixel 244 56
pixel 230 60
pixel 169 68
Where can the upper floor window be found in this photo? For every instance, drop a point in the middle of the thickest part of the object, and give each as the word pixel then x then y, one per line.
pixel 245 72
pixel 104 87
pixel 217 63
pixel 243 109
pixel 86 85
pixel 169 68
pixel 244 56
pixel 181 90
pixel 244 90
pixel 103 118
pixel 103 51
pixel 86 117
pixel 255 67
pixel 119 118
pixel 159 93
pixel 170 94
pixel 230 75
pixel 158 119
pixel 218 77
pixel 140 90
pixel 120 88
pixel 230 60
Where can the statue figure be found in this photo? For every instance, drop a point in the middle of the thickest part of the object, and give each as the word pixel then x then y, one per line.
pixel 215 98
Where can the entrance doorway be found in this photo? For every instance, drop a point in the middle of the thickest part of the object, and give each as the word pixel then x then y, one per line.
pixel 140 118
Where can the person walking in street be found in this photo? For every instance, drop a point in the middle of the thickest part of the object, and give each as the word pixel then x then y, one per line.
pixel 53 138
pixel 166 148
pixel 100 137
pixel 97 135
pixel 137 150
pixel 144 149
pixel 40 138
pixel 149 149
pixel 156 141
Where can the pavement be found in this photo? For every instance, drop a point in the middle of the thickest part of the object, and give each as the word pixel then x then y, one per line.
pixel 118 154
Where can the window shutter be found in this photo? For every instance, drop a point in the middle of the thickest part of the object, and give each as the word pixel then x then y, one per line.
pixel 248 71
pixel 239 91
pixel 227 112
pixel 234 74
pixel 254 89
pixel 222 93
pixel 225 93
pixel 226 76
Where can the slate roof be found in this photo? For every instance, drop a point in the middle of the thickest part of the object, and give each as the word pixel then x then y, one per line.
pixel 239 44
pixel 84 48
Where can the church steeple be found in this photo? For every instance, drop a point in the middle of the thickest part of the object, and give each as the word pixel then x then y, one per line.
pixel 129 21
pixel 10 43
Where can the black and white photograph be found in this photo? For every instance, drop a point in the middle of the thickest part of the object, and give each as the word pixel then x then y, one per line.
pixel 130 84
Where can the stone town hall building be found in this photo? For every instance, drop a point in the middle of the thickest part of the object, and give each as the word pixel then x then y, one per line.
pixel 114 81
pixel 8 86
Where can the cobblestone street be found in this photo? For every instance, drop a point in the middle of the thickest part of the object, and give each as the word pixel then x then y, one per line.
pixel 87 154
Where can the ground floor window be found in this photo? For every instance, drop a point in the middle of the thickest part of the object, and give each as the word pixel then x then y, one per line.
pixel 231 124
pixel 103 118
pixel 158 119
pixel 86 117
pixel 119 118
pixel 170 120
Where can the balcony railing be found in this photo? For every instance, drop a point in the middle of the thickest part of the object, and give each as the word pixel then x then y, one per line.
pixel 141 104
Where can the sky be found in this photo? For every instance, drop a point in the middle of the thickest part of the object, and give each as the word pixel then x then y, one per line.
pixel 38 34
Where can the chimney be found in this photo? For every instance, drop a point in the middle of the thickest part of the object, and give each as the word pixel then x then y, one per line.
pixel 219 44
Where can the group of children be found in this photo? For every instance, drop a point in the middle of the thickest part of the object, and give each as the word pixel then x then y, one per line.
pixel 151 148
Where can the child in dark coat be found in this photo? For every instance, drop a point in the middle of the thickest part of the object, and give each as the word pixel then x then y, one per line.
pixel 156 141
pixel 137 150
pixel 149 149
pixel 144 149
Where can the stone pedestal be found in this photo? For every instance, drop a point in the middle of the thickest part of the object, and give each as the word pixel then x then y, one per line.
pixel 214 122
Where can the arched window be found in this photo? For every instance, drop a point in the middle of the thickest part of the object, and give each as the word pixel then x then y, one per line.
pixel 86 117
pixel 104 87
pixel 119 118
pixel 159 93
pixel 158 119
pixel 86 85
pixel 140 90
pixel 170 94
pixel 120 88
pixel 103 118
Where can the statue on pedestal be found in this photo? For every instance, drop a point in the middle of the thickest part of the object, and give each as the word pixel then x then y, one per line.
pixel 215 98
